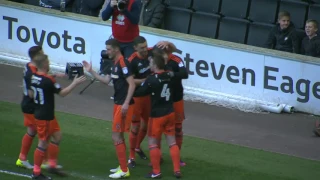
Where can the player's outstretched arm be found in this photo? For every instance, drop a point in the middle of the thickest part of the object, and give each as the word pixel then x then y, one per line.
pixel 88 67
pixel 76 81
pixel 182 73
pixel 144 89
pixel 138 82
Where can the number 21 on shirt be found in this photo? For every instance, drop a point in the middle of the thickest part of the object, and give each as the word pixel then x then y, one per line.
pixel 38 95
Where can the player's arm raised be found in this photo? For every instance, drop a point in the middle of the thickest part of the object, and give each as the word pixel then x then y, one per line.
pixel 65 91
pixel 88 67
pixel 182 73
pixel 169 46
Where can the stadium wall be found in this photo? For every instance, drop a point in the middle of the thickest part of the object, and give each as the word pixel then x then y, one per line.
pixel 224 73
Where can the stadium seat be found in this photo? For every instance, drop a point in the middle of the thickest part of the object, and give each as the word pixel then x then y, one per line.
pixel 314 12
pixel 234 8
pixel 258 33
pixel 177 19
pixel 233 29
pixel 297 9
pixel 31 2
pixel 210 6
pixel 204 24
pixel 263 10
pixel 179 3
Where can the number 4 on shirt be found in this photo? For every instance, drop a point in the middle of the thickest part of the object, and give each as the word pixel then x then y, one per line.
pixel 165 93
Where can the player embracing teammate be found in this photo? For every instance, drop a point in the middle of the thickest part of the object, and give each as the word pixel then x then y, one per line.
pixel 132 107
pixel 143 116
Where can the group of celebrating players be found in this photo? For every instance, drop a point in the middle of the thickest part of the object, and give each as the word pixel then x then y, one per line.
pixel 148 100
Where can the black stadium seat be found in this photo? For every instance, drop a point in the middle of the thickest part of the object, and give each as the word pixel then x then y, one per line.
pixel 314 12
pixel 31 2
pixel 263 10
pixel 234 8
pixel 297 9
pixel 258 33
pixel 210 6
pixel 179 3
pixel 204 24
pixel 233 29
pixel 177 19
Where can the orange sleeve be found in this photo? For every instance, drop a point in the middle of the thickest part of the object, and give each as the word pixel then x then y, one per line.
pixel 125 66
pixel 131 58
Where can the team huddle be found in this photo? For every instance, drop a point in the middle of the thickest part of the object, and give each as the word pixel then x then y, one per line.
pixel 148 101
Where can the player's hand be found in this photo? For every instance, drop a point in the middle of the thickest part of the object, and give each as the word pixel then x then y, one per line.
pixel 171 74
pixel 124 109
pixel 113 3
pixel 78 80
pixel 87 66
pixel 163 45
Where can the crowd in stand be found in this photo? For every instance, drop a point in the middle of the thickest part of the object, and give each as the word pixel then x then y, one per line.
pixel 282 37
pixel 151 15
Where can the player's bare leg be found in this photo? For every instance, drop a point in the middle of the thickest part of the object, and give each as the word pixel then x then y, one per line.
pixel 25 148
pixel 122 171
pixel 141 135
pixel 53 151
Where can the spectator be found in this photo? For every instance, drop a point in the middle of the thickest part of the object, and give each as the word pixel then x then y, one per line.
pixel 152 13
pixel 310 45
pixel 87 7
pixel 104 6
pixel 124 23
pixel 283 36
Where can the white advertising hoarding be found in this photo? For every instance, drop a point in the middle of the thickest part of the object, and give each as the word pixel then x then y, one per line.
pixel 211 68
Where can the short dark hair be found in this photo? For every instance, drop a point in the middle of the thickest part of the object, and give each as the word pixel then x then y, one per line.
pixel 159 61
pixel 34 50
pixel 282 14
pixel 315 22
pixel 139 40
pixel 113 43
pixel 40 59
